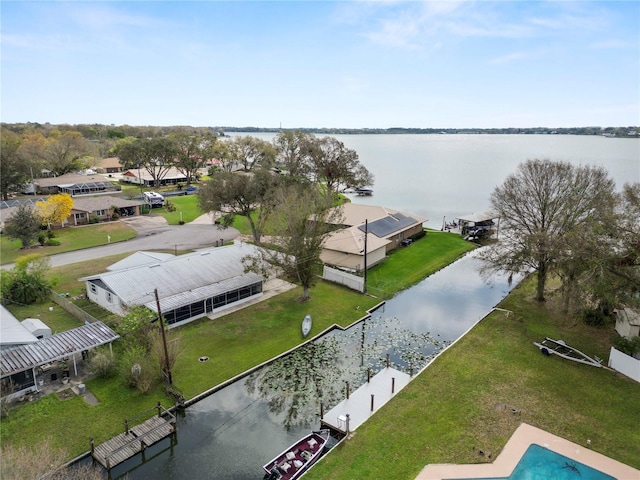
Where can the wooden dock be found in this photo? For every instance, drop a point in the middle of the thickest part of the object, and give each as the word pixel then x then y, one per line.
pixel 135 439
pixel 352 412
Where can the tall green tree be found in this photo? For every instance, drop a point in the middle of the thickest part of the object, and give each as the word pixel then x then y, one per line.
pixel 251 195
pixel 538 206
pixel 600 267
pixel 192 152
pixel 338 166
pixel 27 282
pixel 14 169
pixel 294 149
pixel 24 224
pixel 250 152
pixel 154 155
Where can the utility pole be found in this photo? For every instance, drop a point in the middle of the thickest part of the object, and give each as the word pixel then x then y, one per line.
pixel 366 231
pixel 165 369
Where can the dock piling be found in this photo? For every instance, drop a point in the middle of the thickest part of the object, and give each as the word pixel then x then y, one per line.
pixel 372 396
pixel 347 390
pixel 393 384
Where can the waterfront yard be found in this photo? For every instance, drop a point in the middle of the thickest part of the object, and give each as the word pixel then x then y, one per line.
pixel 233 343
pixel 473 397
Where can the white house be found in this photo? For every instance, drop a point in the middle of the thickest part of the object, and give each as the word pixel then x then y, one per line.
pixel 189 286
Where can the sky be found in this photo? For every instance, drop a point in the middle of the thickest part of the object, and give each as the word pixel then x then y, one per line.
pixel 334 64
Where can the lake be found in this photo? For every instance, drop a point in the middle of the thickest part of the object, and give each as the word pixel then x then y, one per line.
pixel 438 176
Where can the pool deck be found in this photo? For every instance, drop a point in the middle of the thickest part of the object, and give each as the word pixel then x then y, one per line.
pixel 522 438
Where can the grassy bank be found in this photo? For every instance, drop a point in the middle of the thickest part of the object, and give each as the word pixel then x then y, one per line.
pixel 462 402
pixel 234 343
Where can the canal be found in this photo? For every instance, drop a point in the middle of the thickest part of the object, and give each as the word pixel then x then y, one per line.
pixel 233 432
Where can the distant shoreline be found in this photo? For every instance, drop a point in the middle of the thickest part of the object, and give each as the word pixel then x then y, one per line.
pixel 610 132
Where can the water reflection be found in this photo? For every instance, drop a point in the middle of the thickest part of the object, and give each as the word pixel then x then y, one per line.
pixel 232 433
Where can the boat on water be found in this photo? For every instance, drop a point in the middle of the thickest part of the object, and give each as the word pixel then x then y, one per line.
pixel 306 325
pixel 550 346
pixel 296 459
pixel 363 191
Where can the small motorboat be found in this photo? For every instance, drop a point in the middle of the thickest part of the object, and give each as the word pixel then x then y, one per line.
pixel 306 325
pixel 296 459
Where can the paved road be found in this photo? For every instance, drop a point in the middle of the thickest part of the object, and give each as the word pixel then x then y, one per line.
pixel 153 234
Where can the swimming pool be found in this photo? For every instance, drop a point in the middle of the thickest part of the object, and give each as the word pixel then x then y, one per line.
pixel 540 463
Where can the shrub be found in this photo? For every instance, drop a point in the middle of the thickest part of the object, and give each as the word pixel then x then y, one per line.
pixel 594 317
pixel 419 235
pixel 628 346
pixel 50 234
pixel 169 206
pixel 53 242
pixel 94 219
pixel 138 369
pixel 102 364
pixel 42 239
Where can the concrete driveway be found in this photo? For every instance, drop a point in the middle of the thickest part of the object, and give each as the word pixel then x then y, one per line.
pixel 154 234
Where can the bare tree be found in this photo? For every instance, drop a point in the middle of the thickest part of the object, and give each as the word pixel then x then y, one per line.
pixel 538 206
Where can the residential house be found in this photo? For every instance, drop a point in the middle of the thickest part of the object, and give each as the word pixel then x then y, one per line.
pixel 108 165
pixel 101 208
pixel 384 223
pixel 189 286
pixel 141 176
pixel 74 185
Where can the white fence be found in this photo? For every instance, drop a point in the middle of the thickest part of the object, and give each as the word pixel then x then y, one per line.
pixel 624 364
pixel 349 280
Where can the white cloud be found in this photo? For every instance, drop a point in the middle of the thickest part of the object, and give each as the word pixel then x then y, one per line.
pixel 510 57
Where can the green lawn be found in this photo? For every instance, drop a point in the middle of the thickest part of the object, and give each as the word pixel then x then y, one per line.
pixel 406 266
pixel 71 238
pixel 456 406
pixel 187 208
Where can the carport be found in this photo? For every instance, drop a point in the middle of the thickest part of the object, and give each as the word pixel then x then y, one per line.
pixel 21 364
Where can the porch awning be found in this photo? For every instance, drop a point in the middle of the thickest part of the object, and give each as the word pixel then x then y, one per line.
pixel 50 349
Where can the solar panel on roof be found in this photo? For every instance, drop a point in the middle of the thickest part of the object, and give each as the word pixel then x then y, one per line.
pixel 388 225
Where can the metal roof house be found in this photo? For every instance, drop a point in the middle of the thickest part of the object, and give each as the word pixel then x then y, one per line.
pixel 189 286
pixel 74 185
pixel 21 352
